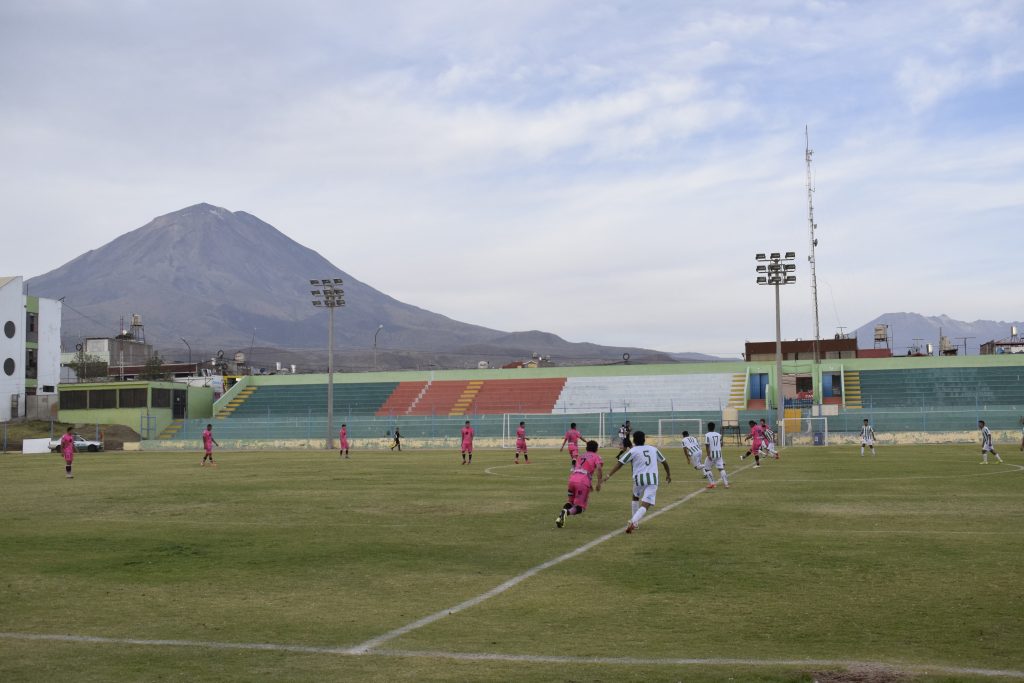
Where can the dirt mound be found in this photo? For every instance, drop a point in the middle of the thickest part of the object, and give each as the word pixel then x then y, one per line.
pixel 115 437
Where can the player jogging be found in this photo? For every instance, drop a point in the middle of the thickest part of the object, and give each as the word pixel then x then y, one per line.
pixel 769 439
pixel 67 449
pixel 713 443
pixel 208 443
pixel 644 460
pixel 398 440
pixel 754 437
pixel 693 452
pixel 580 483
pixel 625 431
pixel 343 440
pixel 867 438
pixel 521 439
pixel 986 443
pixel 572 437
pixel 467 444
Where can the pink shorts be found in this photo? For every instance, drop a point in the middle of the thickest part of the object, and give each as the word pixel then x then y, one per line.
pixel 579 490
pixel 344 444
pixel 467 446
pixel 756 445
pixel 68 457
pixel 520 446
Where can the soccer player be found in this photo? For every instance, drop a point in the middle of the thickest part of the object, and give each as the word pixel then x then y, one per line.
pixel 644 460
pixel 208 443
pixel 754 437
pixel 467 444
pixel 867 438
pixel 67 449
pixel 986 443
pixel 521 439
pixel 625 432
pixel 343 440
pixel 769 439
pixel 572 437
pixel 580 483
pixel 692 449
pixel 713 442
pixel 398 440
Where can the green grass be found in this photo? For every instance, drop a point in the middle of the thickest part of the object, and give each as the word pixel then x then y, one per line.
pixel 913 558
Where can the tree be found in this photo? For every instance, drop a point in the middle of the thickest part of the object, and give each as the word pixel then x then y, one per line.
pixel 154 368
pixel 88 367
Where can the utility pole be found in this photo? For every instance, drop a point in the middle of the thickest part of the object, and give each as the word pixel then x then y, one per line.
pixel 813 241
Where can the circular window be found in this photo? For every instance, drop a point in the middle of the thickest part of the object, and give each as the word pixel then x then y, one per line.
pixel 9 366
pixel 9 329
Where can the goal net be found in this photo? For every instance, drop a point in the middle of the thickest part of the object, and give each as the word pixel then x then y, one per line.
pixel 670 430
pixel 804 431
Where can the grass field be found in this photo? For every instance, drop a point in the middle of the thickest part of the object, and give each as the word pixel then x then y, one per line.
pixel 910 563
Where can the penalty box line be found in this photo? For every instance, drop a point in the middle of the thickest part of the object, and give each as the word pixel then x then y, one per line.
pixel 373 643
pixel 529 659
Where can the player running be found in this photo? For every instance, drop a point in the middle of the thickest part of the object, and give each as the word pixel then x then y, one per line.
pixel 343 440
pixel 867 438
pixel 580 483
pixel 713 443
pixel 572 437
pixel 986 443
pixel 693 452
pixel 754 437
pixel 625 431
pixel 397 443
pixel 67 449
pixel 769 439
pixel 467 443
pixel 208 443
pixel 521 439
pixel 644 460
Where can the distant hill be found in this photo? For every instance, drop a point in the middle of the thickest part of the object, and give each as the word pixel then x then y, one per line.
pixel 904 328
pixel 215 277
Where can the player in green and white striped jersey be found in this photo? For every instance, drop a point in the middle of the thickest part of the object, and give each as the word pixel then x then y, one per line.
pixel 644 460
pixel 986 443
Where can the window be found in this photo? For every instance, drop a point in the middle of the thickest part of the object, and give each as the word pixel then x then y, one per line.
pixel 131 398
pixel 31 327
pixel 10 329
pixel 102 398
pixel 73 400
pixel 161 398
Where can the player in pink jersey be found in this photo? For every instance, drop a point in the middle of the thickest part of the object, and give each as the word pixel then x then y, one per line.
pixel 521 440
pixel 343 440
pixel 581 480
pixel 467 444
pixel 572 437
pixel 208 443
pixel 67 449
pixel 754 437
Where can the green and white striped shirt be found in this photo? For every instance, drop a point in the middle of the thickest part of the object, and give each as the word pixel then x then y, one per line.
pixel 644 460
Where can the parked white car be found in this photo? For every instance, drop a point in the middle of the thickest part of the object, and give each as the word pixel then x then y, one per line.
pixel 81 444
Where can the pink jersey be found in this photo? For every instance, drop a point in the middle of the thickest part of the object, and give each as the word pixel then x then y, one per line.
pixel 467 436
pixel 343 437
pixel 521 436
pixel 756 434
pixel 67 446
pixel 207 440
pixel 586 464
pixel 573 436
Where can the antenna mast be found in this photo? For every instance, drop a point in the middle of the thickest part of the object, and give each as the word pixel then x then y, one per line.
pixel 814 241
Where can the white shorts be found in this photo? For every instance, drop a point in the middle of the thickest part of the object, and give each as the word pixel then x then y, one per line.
pixel 716 461
pixel 988 448
pixel 696 461
pixel 646 494
pixel 867 442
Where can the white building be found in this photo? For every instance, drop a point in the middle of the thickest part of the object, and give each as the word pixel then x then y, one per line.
pixel 29 347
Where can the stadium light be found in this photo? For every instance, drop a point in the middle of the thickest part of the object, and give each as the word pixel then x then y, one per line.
pixel 778 274
pixel 329 296
pixel 379 328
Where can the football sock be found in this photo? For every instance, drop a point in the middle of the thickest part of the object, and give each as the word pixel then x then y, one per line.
pixel 757 459
pixel 710 477
pixel 862 450
pixel 638 515
pixel 635 505
pixel 724 476
pixel 67 468
pixel 575 510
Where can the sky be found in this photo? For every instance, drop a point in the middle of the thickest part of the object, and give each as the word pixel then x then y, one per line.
pixel 602 170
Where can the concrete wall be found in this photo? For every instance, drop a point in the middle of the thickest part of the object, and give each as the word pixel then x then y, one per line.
pixel 50 312
pixel 12 349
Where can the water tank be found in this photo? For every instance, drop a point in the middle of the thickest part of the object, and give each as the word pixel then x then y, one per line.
pixel 240 358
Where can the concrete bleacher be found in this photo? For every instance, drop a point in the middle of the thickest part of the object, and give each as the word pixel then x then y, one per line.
pixel 402 399
pixel 693 392
pixel 942 387
pixel 311 399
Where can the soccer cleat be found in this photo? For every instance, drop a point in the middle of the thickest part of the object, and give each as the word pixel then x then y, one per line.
pixel 630 528
pixel 756 466
pixel 560 522
pixel 744 456
pixel 726 486
pixel 710 486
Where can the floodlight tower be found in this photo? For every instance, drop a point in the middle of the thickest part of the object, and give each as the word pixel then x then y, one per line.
pixel 814 240
pixel 777 270
pixel 329 296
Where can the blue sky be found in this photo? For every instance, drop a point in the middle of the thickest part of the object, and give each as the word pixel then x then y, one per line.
pixel 600 170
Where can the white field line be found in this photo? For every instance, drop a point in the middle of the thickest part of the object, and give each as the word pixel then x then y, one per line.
pixel 989 473
pixel 532 659
pixel 514 581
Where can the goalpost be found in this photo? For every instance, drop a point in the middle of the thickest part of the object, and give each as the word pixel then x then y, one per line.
pixel 670 427
pixel 510 422
pixel 804 431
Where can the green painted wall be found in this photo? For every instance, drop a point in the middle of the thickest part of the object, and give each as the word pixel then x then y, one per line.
pixel 153 420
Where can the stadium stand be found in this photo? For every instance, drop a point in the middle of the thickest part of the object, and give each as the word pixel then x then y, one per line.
pixel 650 393
pixel 403 398
pixel 439 398
pixel 284 400
pixel 941 387
pixel 522 396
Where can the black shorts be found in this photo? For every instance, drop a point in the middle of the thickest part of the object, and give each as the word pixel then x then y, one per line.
pixel 626 443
